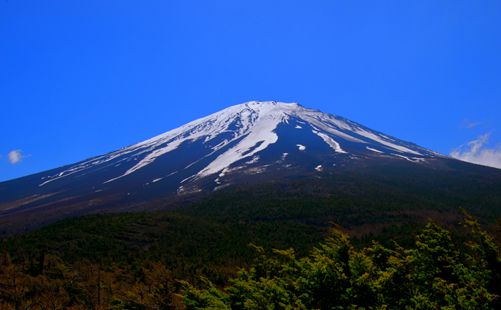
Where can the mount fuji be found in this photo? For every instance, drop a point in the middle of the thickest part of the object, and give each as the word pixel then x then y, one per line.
pixel 249 143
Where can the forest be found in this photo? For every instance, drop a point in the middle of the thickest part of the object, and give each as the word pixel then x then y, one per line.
pixel 438 269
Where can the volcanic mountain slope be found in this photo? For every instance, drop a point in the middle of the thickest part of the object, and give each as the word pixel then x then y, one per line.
pixel 253 142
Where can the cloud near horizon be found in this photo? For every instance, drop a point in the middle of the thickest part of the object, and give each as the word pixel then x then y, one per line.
pixel 15 156
pixel 476 152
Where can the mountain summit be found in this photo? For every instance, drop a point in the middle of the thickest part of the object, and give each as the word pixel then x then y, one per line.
pixel 250 136
pixel 246 143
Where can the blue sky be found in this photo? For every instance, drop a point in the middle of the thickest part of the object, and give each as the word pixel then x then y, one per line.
pixel 81 78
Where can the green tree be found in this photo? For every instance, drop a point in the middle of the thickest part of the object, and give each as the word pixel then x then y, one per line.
pixel 438 272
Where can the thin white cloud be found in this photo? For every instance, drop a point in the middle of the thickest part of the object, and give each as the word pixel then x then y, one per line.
pixel 471 124
pixel 15 156
pixel 476 152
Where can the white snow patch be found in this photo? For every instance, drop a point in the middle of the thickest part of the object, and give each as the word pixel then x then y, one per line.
pixel 184 191
pixel 229 170
pixel 284 156
pixel 221 187
pixel 151 157
pixel 156 180
pixel 298 127
pixel 256 170
pixel 419 159
pixel 386 137
pixel 374 150
pixel 380 140
pixel 414 160
pixel 331 142
pixel 301 147
pixel 327 123
pixel 319 168
pixel 188 179
pixel 254 160
pixel 225 170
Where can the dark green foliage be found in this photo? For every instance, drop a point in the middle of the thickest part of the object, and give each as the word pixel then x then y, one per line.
pixel 188 245
pixel 437 272
pixel 440 270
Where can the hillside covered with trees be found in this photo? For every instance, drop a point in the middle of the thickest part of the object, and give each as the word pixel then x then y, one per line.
pixel 440 269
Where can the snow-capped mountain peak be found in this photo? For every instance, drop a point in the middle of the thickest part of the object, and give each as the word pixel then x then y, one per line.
pixel 238 136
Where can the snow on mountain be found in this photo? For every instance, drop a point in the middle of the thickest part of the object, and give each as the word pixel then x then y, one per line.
pixel 240 134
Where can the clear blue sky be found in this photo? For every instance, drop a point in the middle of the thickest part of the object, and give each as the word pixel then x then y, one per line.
pixel 81 78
